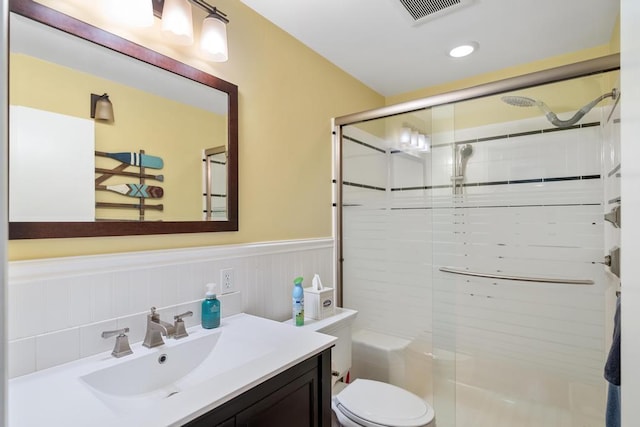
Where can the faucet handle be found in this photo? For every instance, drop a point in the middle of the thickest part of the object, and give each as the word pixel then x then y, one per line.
pixel 180 330
pixel 122 347
pixel 178 317
pixel 119 332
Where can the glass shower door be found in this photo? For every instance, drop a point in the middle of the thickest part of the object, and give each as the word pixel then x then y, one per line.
pixel 387 240
pixel 519 286
pixel 476 260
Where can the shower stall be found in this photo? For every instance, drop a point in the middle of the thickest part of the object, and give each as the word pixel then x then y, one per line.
pixel 471 234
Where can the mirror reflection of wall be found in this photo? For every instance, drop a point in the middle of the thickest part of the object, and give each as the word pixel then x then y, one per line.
pixel 145 118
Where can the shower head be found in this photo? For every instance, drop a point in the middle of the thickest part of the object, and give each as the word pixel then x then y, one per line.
pixel 466 150
pixel 523 101
pixel 519 101
pixel 463 153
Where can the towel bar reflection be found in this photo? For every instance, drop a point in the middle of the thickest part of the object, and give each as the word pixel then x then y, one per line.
pixel 518 278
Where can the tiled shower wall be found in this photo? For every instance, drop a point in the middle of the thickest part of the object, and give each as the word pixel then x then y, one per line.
pixel 59 307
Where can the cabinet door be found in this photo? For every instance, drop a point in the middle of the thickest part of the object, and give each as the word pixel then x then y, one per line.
pixel 298 397
pixel 294 405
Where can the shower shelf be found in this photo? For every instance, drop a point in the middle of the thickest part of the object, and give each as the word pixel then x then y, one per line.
pixel 518 278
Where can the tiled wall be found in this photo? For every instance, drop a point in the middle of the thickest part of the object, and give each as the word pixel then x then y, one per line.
pixel 59 307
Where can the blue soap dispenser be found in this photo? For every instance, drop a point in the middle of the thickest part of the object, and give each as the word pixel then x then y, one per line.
pixel 210 308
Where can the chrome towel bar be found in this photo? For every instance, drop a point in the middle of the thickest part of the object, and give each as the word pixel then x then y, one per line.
pixel 519 278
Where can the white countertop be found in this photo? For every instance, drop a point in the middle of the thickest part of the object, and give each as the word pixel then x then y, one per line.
pixel 249 351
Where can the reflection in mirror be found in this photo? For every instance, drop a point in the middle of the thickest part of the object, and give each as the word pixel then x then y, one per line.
pixel 71 175
pixel 215 163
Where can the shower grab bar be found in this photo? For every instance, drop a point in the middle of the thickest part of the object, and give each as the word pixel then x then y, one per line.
pixel 519 278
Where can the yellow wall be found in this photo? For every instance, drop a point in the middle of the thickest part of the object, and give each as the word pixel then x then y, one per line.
pixel 287 97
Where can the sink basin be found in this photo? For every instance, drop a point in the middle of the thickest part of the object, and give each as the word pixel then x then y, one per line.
pixel 160 368
pixel 168 385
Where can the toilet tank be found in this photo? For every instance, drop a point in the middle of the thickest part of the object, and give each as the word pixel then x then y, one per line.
pixel 379 356
pixel 339 326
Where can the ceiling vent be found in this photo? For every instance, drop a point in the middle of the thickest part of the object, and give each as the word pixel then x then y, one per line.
pixel 424 10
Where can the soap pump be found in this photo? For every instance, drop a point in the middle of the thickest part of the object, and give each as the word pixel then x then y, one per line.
pixel 210 308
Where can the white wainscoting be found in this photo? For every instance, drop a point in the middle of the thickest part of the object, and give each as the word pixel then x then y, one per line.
pixel 57 308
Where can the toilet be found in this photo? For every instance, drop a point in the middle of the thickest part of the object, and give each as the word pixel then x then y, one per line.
pixel 365 402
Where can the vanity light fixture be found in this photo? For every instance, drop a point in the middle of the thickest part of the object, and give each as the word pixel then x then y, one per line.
pixel 177 23
pixel 463 50
pixel 413 140
pixel 101 107
pixel 213 39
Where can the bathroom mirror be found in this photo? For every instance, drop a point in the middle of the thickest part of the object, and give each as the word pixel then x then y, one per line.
pixel 186 112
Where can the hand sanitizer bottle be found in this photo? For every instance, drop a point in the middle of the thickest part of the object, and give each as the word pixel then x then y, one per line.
pixel 210 308
pixel 298 302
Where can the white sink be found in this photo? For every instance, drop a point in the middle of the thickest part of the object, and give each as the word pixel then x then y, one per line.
pixel 198 373
pixel 162 367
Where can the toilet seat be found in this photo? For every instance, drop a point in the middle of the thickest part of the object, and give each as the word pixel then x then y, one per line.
pixel 375 404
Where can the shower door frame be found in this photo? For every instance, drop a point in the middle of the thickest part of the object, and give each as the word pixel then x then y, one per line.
pixel 579 69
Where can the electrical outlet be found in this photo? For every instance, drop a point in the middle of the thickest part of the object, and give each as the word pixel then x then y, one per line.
pixel 227 282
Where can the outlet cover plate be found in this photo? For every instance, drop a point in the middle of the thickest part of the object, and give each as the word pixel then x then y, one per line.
pixel 227 281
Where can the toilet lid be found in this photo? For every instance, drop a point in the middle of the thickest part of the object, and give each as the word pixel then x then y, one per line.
pixel 384 404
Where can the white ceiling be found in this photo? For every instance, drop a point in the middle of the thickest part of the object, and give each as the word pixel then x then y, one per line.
pixel 378 42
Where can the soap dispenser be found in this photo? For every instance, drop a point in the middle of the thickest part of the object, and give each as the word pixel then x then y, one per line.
pixel 210 308
pixel 298 302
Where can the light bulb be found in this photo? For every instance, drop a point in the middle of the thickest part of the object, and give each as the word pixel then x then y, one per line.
pixel 463 50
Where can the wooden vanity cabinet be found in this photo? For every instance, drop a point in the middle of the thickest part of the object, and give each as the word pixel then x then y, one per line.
pixel 298 397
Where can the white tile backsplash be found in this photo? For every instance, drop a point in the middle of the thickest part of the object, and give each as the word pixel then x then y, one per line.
pixel 22 356
pixel 26 310
pixel 58 308
pixel 57 348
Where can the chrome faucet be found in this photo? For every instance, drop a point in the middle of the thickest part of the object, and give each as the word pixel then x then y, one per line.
pixel 156 328
pixel 179 329
pixel 122 347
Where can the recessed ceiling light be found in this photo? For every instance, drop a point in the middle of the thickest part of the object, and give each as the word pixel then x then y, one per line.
pixel 463 50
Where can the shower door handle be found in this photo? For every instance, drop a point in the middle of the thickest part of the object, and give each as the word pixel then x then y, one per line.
pixel 614 217
pixel 613 261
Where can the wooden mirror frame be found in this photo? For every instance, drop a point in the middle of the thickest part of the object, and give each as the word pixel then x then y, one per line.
pixel 43 230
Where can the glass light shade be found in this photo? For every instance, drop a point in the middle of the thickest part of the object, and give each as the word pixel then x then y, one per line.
pixel 213 40
pixel 427 144
pixel 405 135
pixel 177 21
pixel 421 141
pixel 104 109
pixel 135 13
pixel 414 138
